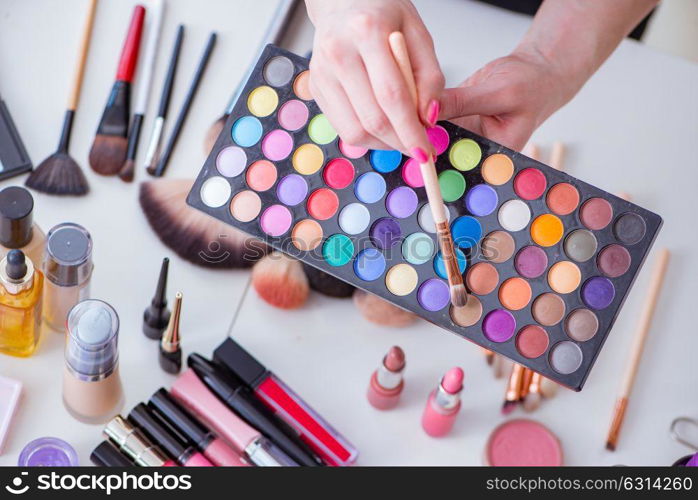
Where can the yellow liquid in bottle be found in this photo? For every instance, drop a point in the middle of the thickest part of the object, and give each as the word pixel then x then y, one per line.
pixel 20 319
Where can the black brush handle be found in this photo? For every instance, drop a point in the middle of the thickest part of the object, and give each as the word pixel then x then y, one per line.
pixel 171 72
pixel 64 141
pixel 133 136
pixel 186 106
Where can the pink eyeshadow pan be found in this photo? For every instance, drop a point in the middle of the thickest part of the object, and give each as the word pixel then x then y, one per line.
pixel 411 174
pixel 261 175
pixel 293 115
pixel 277 145
pixel 350 151
pixel 439 138
pixel 275 220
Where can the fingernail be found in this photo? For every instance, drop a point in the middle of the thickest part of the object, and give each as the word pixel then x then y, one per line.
pixel 419 154
pixel 433 112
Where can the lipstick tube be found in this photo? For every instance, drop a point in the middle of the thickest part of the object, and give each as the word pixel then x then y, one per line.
pixel 175 445
pixel 386 382
pixel 194 394
pixel 106 455
pixel 239 398
pixel 134 444
pixel 443 404
pixel 324 440
pixel 213 447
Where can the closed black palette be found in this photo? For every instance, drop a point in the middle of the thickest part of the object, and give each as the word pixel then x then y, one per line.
pixel 547 259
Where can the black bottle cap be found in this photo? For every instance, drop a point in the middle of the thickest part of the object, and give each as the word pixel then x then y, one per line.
pixel 16 266
pixel 16 217
pixel 169 409
pixel 159 431
pixel 156 316
pixel 106 455
pixel 239 362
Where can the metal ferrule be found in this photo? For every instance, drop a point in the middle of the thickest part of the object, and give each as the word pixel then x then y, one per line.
pixel 445 399
pixel 92 377
pixel 15 287
pixel 133 443
pixel 264 453
pixel 153 151
pixel 388 379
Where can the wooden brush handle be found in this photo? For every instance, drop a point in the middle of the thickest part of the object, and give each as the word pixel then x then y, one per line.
pixel 74 97
pixel 129 54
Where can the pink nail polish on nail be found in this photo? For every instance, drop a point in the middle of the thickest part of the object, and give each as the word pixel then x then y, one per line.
pixel 419 154
pixel 433 112
pixel 443 404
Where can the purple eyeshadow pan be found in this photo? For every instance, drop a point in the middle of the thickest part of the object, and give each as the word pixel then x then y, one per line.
pixel 385 233
pixel 433 295
pixel 531 262
pixel 499 325
pixel 481 200
pixel 401 202
pixel 598 292
pixel 292 190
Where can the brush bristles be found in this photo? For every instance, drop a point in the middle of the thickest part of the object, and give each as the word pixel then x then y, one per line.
pixel 380 311
pixel 459 297
pixel 326 284
pixel 193 235
pixel 213 132
pixel 280 281
pixel 58 174
pixel 508 407
pixel 127 171
pixel 108 154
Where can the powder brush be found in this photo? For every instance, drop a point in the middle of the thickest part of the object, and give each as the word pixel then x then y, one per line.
pixel 108 152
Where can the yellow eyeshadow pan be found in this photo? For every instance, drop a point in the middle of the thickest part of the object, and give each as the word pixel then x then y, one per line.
pixel 546 259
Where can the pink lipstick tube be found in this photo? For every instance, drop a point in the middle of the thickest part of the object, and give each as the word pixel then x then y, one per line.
pixel 443 404
pixel 194 394
pixel 386 382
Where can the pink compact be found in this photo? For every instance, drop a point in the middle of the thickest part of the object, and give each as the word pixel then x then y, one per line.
pixel 523 443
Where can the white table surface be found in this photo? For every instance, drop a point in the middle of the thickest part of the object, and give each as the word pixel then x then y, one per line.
pixel 632 128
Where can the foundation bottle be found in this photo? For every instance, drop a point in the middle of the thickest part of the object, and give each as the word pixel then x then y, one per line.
pixel 17 228
pixel 68 269
pixel 20 305
pixel 92 390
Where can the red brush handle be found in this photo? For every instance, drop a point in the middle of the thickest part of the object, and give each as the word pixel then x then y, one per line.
pixel 129 54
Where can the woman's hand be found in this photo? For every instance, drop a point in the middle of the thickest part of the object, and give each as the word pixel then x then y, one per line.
pixel 356 81
pixel 507 99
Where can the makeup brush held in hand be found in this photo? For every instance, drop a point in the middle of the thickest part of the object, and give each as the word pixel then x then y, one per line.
pixel 459 296
pixel 194 236
pixel 59 173
pixel 108 152
pixel 145 81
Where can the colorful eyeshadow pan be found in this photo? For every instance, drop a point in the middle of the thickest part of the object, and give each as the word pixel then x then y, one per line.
pixel 247 131
pixel 547 259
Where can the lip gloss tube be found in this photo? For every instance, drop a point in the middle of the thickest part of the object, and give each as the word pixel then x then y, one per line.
pixel 213 447
pixel 238 397
pixel 191 391
pixel 134 444
pixel 443 404
pixel 329 444
pixel 175 445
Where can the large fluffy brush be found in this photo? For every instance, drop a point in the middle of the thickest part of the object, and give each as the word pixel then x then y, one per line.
pixel 108 152
pixel 380 311
pixel 280 281
pixel 327 284
pixel 59 173
pixel 191 234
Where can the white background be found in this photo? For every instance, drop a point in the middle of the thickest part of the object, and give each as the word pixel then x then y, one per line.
pixel 632 128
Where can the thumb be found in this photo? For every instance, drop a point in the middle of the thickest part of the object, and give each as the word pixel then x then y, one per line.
pixel 470 100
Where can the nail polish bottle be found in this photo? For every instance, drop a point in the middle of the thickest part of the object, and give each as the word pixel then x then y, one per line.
pixel 157 316
pixel 170 352
pixel 443 404
pixel 20 305
pixel 92 390
pixel 386 382
pixel 68 269
pixel 17 228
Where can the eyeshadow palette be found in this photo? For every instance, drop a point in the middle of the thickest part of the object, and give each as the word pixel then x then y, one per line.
pixel 547 259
